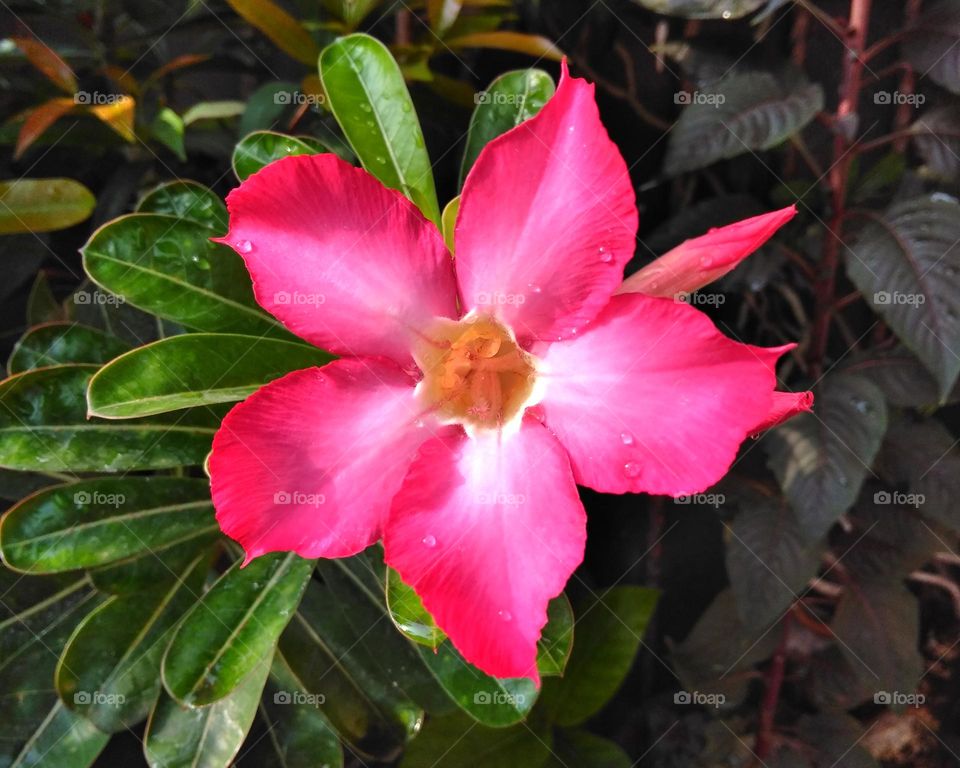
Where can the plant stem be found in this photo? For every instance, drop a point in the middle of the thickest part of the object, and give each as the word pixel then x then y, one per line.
pixel 771 696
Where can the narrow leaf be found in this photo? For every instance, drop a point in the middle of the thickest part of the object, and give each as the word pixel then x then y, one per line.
pixel 43 205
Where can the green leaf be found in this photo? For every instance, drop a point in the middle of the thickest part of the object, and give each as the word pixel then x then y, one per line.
pixel 167 128
pixel 492 701
pixel 109 671
pixel 42 305
pixel 509 100
pixel 158 566
pixel 821 459
pixel 936 135
pixel 257 150
pixel 367 94
pixel 213 110
pixel 505 40
pixel 62 343
pixel 442 14
pixel 63 739
pixel 742 113
pixel 931 45
pixel 169 267
pixel 448 222
pixel 44 427
pixel 901 378
pixel 906 263
pixel 408 614
pixel 204 737
pixel 187 200
pixel 702 9
pixel 96 522
pixel 575 747
pixel 769 561
pixel 234 627
pixel 352 12
pixel 609 631
pixel 192 370
pixel 265 106
pixel 284 31
pixel 43 205
pixel 556 640
pixel 455 740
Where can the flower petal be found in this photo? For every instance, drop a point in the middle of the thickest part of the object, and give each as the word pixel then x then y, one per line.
pixel 699 261
pixel 547 219
pixel 786 405
pixel 653 398
pixel 310 462
pixel 487 530
pixel 341 260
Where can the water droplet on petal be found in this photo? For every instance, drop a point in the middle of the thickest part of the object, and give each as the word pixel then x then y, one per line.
pixel 627 438
pixel 534 288
pixel 244 246
pixel 505 615
pixel 572 128
pixel 706 262
pixel 631 469
pixel 429 541
pixel 605 257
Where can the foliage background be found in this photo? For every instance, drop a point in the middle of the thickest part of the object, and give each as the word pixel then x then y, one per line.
pixel 818 577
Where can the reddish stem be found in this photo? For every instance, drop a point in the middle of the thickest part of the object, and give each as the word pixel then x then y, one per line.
pixel 771 696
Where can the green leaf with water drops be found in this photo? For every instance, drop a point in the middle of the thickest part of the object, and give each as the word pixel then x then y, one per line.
pixel 109 671
pixel 408 614
pixel 95 522
pixel 62 343
pixel 187 200
pixel 192 370
pixel 234 627
pixel 260 148
pixel 509 100
pixel 167 266
pixel 44 427
pixel 369 98
pixel 204 737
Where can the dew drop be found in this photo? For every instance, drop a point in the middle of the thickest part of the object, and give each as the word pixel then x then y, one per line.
pixel 429 541
pixel 626 438
pixel 534 288
pixel 405 106
pixel 505 615
pixel 572 128
pixel 631 469
pixel 381 159
pixel 605 256
pixel 366 107
pixel 706 262
pixel 244 246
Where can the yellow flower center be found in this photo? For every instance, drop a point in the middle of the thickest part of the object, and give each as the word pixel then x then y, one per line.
pixel 474 373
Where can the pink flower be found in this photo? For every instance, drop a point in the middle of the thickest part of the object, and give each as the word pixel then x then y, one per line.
pixel 472 396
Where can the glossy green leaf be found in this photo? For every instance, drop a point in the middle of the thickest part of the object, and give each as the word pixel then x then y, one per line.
pixel 509 100
pixel 169 267
pixel 352 12
pixel 204 737
pixel 192 370
pixel 234 627
pixel 367 94
pixel 109 671
pixel 449 222
pixel 408 614
pixel 43 205
pixel 213 110
pixel 63 739
pixel 44 427
pixel 95 522
pixel 609 631
pixel 63 343
pixel 489 700
pixel 556 640
pixel 146 572
pixel 167 128
pixel 257 150
pixel 456 740
pixel 187 200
